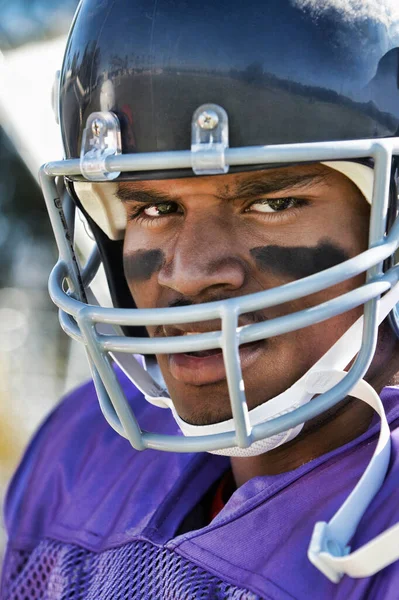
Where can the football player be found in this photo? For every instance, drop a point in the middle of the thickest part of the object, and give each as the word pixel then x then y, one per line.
pixel 236 165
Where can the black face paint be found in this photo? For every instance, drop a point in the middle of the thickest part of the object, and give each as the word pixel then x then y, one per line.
pixel 141 265
pixel 299 261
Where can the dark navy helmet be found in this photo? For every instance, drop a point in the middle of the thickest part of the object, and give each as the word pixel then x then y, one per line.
pixel 285 71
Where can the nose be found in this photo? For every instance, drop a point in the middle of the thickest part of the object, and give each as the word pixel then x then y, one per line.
pixel 205 256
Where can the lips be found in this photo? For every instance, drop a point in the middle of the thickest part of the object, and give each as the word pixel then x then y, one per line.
pixel 207 367
pixel 204 353
pixel 206 326
pixel 212 351
pixel 200 353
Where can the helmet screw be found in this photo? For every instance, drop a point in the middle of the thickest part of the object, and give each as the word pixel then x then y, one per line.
pixel 97 127
pixel 208 119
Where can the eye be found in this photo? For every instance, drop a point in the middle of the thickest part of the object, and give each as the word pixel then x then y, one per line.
pixel 160 210
pixel 271 205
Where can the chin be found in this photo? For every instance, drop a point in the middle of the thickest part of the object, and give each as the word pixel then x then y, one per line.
pixel 204 413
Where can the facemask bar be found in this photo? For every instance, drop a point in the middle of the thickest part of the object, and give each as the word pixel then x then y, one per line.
pixel 112 399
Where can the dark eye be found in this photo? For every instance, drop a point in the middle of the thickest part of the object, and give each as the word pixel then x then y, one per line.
pixel 270 205
pixel 160 210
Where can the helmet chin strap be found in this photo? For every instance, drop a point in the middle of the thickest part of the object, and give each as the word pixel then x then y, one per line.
pixel 336 358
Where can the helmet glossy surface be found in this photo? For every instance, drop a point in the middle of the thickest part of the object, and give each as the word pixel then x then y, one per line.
pixel 285 72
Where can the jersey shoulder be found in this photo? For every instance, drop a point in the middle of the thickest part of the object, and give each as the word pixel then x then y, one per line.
pixel 79 480
pixel 63 461
pixel 72 426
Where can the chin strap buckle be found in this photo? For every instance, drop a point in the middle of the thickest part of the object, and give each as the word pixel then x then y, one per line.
pixel 101 139
pixel 209 140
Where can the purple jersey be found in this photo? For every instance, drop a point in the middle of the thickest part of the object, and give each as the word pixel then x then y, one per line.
pixel 88 517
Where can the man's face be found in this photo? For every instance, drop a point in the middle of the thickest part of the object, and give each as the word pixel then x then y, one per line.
pixel 201 239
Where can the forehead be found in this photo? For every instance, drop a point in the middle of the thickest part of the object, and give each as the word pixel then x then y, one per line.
pixel 304 176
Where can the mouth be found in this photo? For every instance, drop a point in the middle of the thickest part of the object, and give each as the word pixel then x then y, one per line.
pixel 207 366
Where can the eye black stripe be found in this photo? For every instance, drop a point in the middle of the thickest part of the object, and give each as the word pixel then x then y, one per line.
pixel 298 262
pixel 142 264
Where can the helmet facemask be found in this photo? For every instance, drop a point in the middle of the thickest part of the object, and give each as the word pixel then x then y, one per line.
pixel 279 419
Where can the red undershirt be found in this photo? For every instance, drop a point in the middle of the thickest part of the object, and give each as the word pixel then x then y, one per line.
pixel 223 492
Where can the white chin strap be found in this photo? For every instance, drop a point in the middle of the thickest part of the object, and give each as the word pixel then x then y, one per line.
pixel 329 549
pixel 336 358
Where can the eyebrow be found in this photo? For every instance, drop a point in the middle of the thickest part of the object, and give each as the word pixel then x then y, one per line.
pixel 264 184
pixel 130 193
pixel 277 182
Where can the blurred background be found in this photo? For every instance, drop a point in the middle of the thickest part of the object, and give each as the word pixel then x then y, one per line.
pixel 38 363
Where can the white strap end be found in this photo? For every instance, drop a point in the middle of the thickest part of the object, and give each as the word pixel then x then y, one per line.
pixel 323 546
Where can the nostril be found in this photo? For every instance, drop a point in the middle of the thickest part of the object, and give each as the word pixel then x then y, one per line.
pixel 192 277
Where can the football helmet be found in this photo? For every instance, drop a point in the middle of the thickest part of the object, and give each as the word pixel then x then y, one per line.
pixel 173 89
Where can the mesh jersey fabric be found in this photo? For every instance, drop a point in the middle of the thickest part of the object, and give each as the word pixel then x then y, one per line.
pixel 137 570
pixel 88 517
